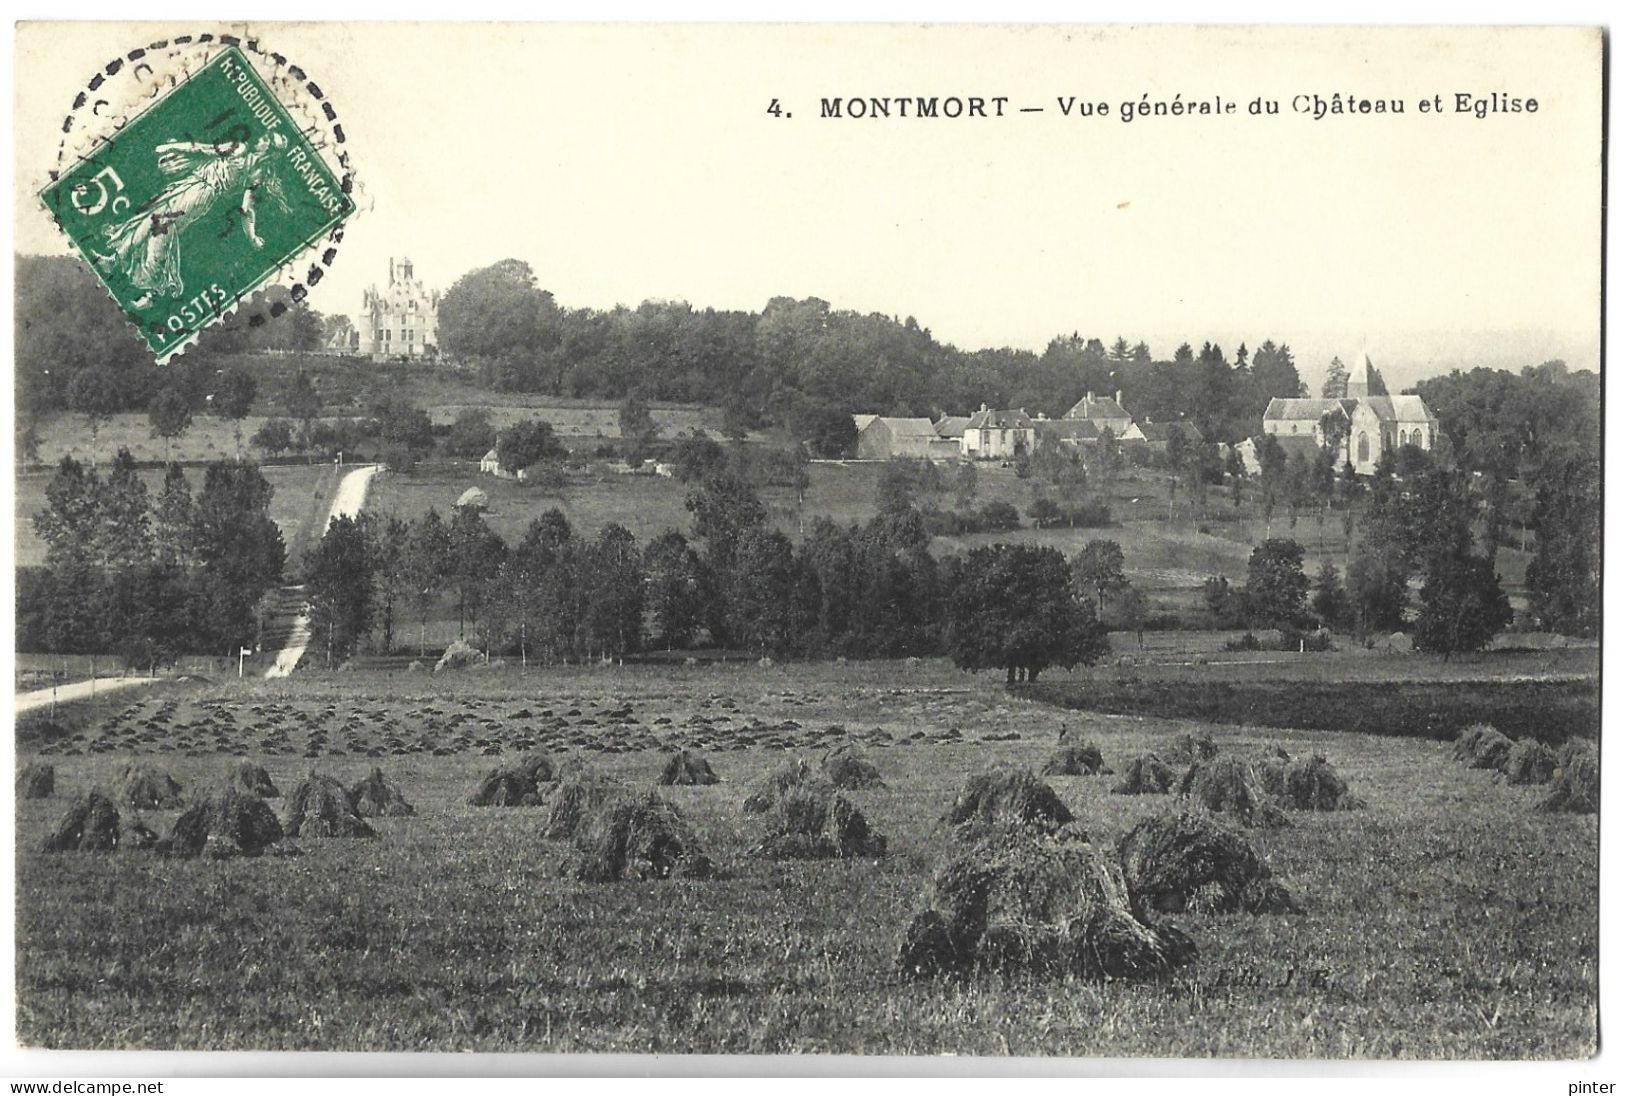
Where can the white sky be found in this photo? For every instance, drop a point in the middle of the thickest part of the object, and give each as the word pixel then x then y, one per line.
pixel 635 162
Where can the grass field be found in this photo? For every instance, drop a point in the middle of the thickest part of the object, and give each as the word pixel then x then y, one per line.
pixel 1447 920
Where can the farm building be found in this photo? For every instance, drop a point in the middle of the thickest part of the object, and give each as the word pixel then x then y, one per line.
pixel 1068 432
pixel 997 435
pixel 1107 413
pixel 1371 425
pixel 492 464
pixel 1158 433
pixel 883 437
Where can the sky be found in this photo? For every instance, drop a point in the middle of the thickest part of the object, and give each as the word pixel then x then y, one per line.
pixel 627 163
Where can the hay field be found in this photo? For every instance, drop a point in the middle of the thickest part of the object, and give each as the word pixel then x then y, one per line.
pixel 1449 919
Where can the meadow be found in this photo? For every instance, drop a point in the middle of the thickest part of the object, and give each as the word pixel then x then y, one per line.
pixel 1448 919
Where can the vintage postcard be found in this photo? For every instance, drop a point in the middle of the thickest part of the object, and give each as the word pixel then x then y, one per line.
pixel 1078 542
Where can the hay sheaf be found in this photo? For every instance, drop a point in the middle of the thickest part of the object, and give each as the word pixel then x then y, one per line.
pixel 1312 784
pixel 635 836
pixel 1076 760
pixel 505 787
pixel 252 779
pixel 90 824
pixel 221 825
pixel 1189 749
pixel 148 789
pixel 1228 785
pixel 458 656
pixel 36 780
pixel 321 807
pixel 579 791
pixel 1529 762
pixel 1147 774
pixel 1020 903
pixel 1576 782
pixel 768 790
pixel 376 797
pixel 1007 797
pixel 815 822
pixel 538 768
pixel 1188 860
pixel 1481 746
pixel 848 769
pixel 685 770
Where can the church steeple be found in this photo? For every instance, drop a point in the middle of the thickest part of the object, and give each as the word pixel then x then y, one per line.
pixel 1360 377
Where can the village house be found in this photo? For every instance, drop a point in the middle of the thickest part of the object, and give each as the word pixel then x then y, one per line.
pixel 490 463
pixel 1070 433
pixel 1157 434
pixel 1372 425
pixel 997 435
pixel 1107 413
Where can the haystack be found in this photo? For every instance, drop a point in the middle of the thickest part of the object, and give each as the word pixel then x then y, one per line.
pixel 1188 749
pixel 683 768
pixel 847 769
pixel 579 791
pixel 320 807
pixel 635 836
pixel 252 779
pixel 91 824
pixel 36 780
pixel 1083 760
pixel 1484 748
pixel 539 768
pixel 505 787
pixel 1190 861
pixel 1529 762
pixel 376 797
pixel 148 789
pixel 1228 785
pixel 1576 785
pixel 223 824
pixel 1270 766
pixel 1020 903
pixel 776 783
pixel 815 822
pixel 458 656
pixel 1005 797
pixel 1311 784
pixel 1147 774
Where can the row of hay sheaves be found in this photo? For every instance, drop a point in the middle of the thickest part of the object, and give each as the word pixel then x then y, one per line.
pixel 1024 889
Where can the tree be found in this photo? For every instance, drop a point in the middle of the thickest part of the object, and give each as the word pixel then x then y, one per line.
pixel 1378 591
pixel 389 542
pixel 339 581
pixel 824 427
pixel 233 399
pixel 173 521
pixel 761 603
pixel 1565 577
pixel 672 572
pixel 1336 384
pixel 1463 606
pixel 238 547
pixel 124 535
pixel 1330 601
pixel 1120 351
pixel 498 318
pixel 475 554
pixel 1276 584
pixel 275 437
pixel 638 429
pixel 170 415
pixel 1012 607
pixel 93 393
pixel 526 443
pixel 1098 569
pixel 471 434
pixel 427 568
pixel 303 404
pixel 614 621
pixel 965 484
pixel 698 456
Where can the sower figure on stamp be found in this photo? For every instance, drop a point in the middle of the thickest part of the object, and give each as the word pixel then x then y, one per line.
pixel 146 248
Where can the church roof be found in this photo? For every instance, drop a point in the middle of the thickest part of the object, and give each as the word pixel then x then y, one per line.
pixel 1311 410
pixel 1400 408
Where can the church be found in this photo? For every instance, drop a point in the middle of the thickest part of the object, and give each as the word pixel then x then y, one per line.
pixel 1372 424
pixel 399 320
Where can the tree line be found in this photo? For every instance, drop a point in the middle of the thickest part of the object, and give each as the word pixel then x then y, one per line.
pixel 150 578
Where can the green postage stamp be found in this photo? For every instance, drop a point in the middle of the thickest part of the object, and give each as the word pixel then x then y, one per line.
pixel 198 201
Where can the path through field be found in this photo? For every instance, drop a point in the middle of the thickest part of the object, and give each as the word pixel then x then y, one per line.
pixel 347 502
pixel 79 690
